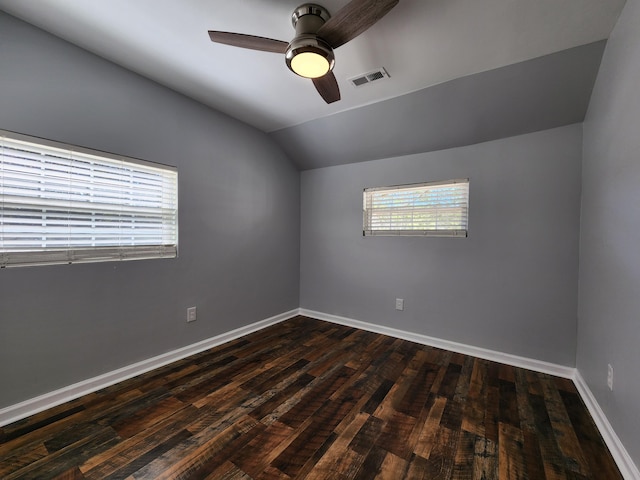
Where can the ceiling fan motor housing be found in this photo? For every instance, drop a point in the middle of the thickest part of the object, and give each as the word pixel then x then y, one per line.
pixel 307 20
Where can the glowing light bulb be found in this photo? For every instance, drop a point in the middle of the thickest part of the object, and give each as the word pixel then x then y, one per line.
pixel 310 65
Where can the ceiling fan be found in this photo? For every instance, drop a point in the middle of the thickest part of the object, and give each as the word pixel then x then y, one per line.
pixel 310 53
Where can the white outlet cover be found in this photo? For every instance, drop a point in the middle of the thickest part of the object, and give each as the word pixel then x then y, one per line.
pixel 191 314
pixel 399 304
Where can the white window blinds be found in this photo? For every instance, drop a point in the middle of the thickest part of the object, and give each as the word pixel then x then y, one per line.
pixel 432 209
pixel 62 204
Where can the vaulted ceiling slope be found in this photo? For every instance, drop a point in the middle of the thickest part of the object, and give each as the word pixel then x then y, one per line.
pixel 441 55
pixel 538 94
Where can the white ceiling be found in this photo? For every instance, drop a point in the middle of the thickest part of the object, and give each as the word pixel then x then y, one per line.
pixel 421 43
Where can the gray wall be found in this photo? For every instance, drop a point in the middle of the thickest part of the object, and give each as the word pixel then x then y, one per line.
pixel 239 222
pixel 609 307
pixel 510 286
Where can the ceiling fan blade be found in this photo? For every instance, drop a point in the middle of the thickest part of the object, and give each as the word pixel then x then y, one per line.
pixel 353 19
pixel 249 41
pixel 327 87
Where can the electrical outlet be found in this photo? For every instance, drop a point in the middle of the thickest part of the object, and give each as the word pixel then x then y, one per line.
pixel 610 377
pixel 399 304
pixel 191 314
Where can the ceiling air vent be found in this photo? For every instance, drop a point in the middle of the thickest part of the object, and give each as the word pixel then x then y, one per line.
pixel 369 77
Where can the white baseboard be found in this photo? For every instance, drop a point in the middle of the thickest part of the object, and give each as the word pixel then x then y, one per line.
pixel 35 405
pixel 509 359
pixel 626 465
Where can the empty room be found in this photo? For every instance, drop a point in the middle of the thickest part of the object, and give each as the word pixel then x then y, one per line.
pixel 358 239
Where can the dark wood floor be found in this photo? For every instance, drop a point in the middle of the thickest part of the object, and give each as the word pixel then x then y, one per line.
pixel 309 399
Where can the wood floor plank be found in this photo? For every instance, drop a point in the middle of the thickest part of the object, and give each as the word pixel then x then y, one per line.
pixel 125 452
pixel 532 454
pixel 72 474
pixel 372 464
pixel 563 429
pixel 464 457
pixel 151 415
pixel 227 471
pixel 294 457
pixel 395 433
pixel 217 453
pixel 140 461
pixel 67 458
pixel 441 459
pixel 186 457
pixel 599 459
pixel 37 422
pixel 418 391
pixel 553 460
pixel 485 460
pixel 392 468
pixel 316 398
pixel 367 436
pixel 510 453
pixel 310 399
pixel 473 411
pixel 429 428
pixel 263 449
pixel 21 458
pixel 341 450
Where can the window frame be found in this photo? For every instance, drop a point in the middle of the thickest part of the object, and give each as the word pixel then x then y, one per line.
pixel 16 196
pixel 368 207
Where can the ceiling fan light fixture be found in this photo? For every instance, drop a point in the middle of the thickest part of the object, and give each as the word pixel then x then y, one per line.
pixel 309 57
pixel 310 65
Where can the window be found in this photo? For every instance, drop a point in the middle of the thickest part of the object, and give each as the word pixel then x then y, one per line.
pixel 64 204
pixel 432 209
